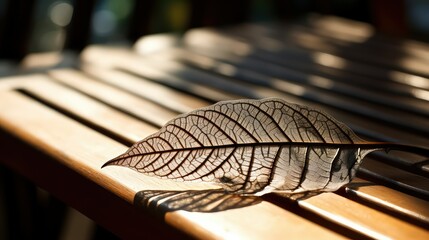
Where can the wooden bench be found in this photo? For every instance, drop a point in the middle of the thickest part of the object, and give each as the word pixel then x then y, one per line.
pixel 58 127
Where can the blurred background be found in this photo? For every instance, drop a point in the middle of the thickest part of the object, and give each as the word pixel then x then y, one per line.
pixel 30 26
pixel 45 25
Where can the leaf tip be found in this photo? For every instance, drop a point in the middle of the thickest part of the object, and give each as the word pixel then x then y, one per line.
pixel 110 162
pixel 106 164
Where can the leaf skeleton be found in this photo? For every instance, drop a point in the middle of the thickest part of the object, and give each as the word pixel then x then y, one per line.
pixel 254 147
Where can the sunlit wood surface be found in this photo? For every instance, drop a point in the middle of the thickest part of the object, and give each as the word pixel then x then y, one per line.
pixel 83 117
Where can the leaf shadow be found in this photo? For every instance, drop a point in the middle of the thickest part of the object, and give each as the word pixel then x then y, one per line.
pixel 212 200
pixel 299 196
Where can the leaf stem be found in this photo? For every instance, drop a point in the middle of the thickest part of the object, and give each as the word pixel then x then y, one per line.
pixel 407 148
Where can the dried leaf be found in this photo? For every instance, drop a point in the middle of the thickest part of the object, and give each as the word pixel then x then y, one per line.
pixel 253 147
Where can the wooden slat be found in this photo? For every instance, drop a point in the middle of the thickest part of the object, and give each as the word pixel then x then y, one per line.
pixel 135 64
pixel 397 176
pixel 15 82
pixel 413 68
pixel 358 32
pixel 391 199
pixel 370 222
pixel 318 63
pixel 286 37
pixel 255 68
pixel 86 108
pixel 132 104
pixel 168 98
pixel 344 29
pixel 311 94
pixel 313 84
pixel 78 152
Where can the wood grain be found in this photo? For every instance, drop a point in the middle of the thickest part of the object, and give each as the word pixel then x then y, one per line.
pixel 140 107
pixel 167 97
pixel 361 218
pixel 86 108
pixel 390 199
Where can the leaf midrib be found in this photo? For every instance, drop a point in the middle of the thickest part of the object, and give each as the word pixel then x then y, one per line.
pixel 361 145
